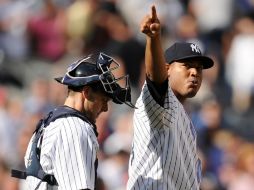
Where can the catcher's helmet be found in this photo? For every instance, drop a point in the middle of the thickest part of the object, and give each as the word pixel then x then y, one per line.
pixel 98 69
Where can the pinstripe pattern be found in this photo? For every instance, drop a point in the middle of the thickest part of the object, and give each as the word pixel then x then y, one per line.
pixel 164 146
pixel 68 151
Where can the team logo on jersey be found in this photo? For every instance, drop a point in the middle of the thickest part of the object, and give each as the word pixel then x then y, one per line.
pixel 195 48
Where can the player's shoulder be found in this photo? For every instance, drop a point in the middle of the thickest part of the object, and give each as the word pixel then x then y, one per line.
pixel 70 124
pixel 146 99
pixel 73 121
pixel 70 119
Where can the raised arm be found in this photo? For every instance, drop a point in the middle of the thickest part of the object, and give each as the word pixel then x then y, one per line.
pixel 154 57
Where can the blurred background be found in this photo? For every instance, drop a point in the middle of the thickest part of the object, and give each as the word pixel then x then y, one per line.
pixel 39 38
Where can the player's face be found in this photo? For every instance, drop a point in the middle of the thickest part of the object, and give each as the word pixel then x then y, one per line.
pixel 95 104
pixel 185 78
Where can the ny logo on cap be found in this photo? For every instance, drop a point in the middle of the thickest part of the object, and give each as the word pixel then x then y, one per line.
pixel 195 48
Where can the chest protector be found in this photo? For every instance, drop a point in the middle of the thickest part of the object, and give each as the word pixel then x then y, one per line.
pixel 34 167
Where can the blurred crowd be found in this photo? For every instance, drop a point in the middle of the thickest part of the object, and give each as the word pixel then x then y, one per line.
pixel 39 38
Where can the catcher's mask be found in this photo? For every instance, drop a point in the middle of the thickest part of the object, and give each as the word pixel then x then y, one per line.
pixel 99 70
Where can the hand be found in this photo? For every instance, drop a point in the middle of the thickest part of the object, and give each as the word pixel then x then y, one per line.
pixel 150 24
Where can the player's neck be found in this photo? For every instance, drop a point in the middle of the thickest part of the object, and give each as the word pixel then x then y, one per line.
pixel 179 97
pixel 74 102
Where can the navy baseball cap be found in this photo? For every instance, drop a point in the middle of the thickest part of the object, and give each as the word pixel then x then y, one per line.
pixel 181 51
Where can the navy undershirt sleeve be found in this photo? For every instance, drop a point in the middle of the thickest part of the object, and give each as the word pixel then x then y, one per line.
pixel 158 91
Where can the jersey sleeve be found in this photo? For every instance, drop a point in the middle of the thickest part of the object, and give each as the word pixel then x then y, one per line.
pixel 158 91
pixel 74 155
pixel 150 112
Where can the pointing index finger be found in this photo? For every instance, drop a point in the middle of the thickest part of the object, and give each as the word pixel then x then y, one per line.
pixel 153 11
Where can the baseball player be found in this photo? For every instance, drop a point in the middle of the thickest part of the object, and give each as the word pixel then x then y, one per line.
pixel 62 153
pixel 164 153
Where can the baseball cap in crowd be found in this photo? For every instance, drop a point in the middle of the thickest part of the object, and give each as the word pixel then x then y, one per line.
pixel 181 51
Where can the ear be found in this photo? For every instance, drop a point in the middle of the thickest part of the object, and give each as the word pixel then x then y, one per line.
pixel 168 68
pixel 86 92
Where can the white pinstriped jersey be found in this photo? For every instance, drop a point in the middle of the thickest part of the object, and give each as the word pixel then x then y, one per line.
pixel 69 151
pixel 164 155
